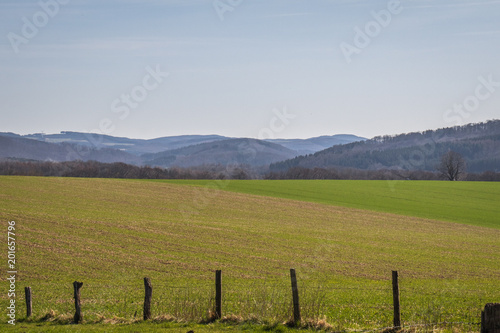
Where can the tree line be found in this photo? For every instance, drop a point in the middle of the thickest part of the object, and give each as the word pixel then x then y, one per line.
pixel 93 169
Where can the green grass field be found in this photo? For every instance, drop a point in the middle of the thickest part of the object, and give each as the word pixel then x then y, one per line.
pixel 342 240
pixel 475 203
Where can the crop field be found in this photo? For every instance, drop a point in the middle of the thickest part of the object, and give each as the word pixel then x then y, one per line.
pixel 343 238
pixel 475 203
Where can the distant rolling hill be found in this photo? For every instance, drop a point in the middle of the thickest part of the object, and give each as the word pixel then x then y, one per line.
pixel 479 144
pixel 183 150
pixel 226 152
pixel 312 145
pixel 132 146
pixel 143 146
pixel 15 147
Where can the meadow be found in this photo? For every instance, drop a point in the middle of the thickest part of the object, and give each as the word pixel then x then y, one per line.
pixel 474 203
pixel 343 238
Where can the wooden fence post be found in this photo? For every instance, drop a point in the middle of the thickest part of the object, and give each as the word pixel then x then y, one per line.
pixel 490 318
pixel 27 294
pixel 218 294
pixel 147 298
pixel 295 295
pixel 395 298
pixel 78 307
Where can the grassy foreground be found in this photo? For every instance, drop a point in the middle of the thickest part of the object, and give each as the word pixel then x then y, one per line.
pixel 146 327
pixel 475 203
pixel 110 234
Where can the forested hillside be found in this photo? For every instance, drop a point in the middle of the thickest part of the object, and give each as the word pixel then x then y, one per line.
pixel 225 152
pixel 479 144
pixel 15 147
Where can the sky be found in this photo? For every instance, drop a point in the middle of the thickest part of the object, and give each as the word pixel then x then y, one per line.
pixel 247 68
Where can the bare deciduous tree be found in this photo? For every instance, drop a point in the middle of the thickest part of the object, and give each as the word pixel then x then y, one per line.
pixel 452 165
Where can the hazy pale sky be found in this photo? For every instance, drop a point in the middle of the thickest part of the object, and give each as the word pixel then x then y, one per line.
pixel 247 68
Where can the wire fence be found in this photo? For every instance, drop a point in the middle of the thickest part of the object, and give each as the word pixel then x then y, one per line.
pixel 360 306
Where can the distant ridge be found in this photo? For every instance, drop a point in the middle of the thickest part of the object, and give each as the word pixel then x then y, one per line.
pixel 16 147
pixel 312 145
pixel 251 152
pixel 479 144
pixel 185 150
pixel 132 146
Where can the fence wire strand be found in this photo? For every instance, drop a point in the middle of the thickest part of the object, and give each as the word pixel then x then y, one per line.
pixel 345 306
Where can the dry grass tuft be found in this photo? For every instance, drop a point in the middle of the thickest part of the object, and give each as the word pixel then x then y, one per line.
pixel 253 319
pixel 318 324
pixel 52 316
pixel 232 319
pixel 211 317
pixel 166 318
pixel 49 316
